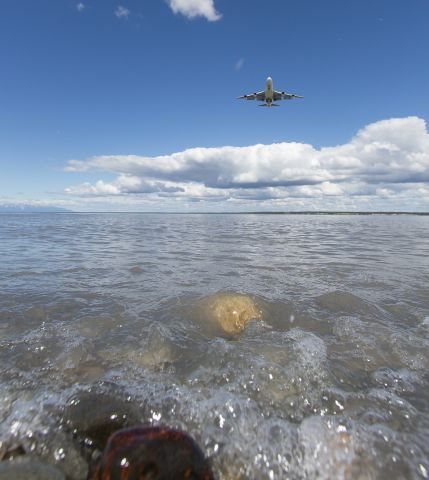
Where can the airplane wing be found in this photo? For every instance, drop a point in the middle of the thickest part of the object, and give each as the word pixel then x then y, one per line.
pixel 260 96
pixel 284 96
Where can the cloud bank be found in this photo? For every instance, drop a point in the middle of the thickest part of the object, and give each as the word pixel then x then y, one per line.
pixel 384 166
pixel 195 8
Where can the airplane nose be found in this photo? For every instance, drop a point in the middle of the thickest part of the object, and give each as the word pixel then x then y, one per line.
pixel 269 79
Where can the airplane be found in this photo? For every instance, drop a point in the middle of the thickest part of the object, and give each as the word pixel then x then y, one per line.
pixel 269 95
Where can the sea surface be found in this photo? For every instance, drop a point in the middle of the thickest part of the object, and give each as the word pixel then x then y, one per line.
pixel 106 311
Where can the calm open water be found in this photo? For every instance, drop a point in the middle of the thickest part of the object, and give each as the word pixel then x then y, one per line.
pixel 332 382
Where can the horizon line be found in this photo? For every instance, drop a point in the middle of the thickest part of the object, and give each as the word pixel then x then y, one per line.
pixel 301 212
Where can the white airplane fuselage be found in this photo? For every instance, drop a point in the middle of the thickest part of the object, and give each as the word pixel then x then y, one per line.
pixel 269 96
pixel 269 91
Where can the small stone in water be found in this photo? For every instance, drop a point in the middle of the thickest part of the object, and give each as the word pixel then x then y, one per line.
pixel 136 269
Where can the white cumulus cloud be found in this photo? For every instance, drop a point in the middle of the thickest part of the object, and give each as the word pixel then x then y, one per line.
pixel 384 162
pixel 195 8
pixel 122 12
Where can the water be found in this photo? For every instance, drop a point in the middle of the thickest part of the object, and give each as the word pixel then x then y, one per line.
pixel 330 381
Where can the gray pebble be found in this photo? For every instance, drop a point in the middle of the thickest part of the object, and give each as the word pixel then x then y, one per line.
pixel 28 469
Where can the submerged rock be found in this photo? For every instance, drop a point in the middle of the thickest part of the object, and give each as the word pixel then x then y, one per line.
pixel 94 416
pixel 345 302
pixel 28 469
pixel 136 269
pixel 152 350
pixel 229 311
pixel 151 453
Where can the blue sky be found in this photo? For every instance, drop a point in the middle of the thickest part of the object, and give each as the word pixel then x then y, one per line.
pixel 129 105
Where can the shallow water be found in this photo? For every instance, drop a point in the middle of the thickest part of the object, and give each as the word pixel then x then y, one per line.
pixel 330 382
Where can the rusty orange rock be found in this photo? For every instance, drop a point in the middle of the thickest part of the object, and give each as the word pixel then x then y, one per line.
pixel 151 453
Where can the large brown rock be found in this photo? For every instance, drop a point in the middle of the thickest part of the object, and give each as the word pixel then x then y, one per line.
pixel 151 453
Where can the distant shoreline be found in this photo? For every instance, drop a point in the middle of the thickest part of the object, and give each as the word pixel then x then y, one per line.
pixel 213 213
